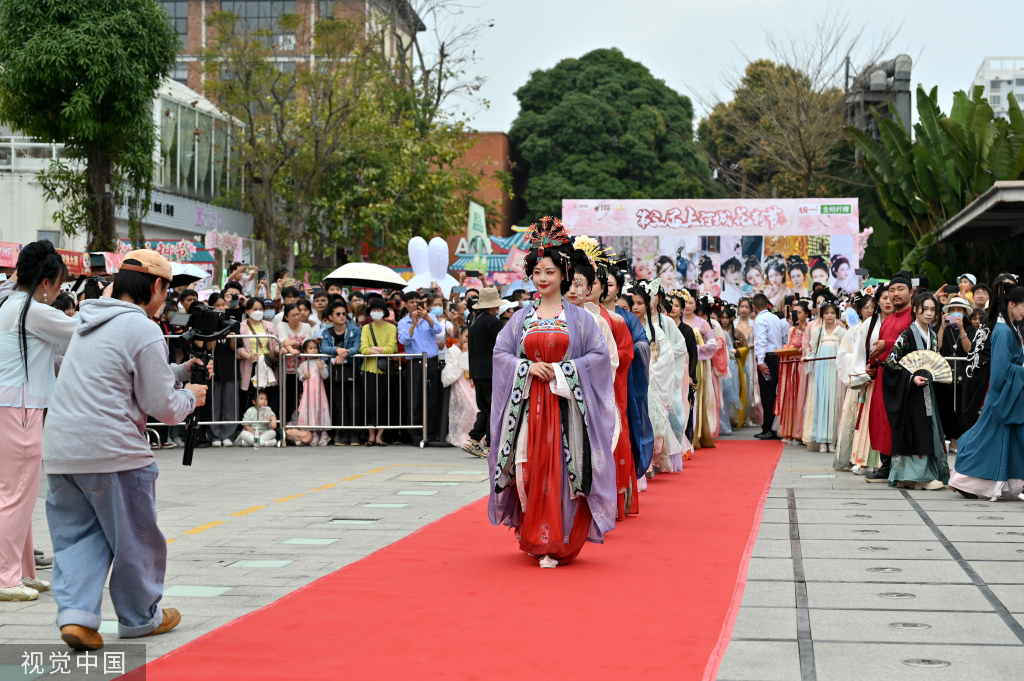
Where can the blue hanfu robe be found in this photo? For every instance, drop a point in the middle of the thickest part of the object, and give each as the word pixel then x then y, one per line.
pixel 993 448
pixel 641 432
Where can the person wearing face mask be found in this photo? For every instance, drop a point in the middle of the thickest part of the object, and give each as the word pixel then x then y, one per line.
pixel 250 350
pixel 955 339
pixel 435 305
pixel 378 338
pixel 418 333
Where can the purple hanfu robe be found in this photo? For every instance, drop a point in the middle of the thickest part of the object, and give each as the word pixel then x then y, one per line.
pixel 588 358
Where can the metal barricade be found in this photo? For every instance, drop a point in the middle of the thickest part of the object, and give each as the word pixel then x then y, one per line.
pixel 400 384
pixel 392 382
pixel 211 394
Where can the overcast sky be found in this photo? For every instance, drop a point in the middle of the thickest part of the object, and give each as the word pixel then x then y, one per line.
pixel 693 45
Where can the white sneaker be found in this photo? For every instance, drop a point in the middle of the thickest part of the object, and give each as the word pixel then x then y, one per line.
pixel 832 449
pixel 18 593
pixel 37 584
pixel 215 443
pixel 178 442
pixel 227 443
pixel 548 562
pixel 933 485
pixel 822 449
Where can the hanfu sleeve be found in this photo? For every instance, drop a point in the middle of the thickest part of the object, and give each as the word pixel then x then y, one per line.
pixel 1006 386
pixel 452 370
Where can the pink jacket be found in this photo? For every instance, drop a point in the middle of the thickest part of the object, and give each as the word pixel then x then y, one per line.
pixel 249 344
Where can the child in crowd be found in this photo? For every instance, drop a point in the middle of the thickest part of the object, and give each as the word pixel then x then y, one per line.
pixel 257 415
pixel 315 408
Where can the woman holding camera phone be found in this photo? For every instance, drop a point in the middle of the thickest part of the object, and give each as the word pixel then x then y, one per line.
pixel 956 337
pixel 31 334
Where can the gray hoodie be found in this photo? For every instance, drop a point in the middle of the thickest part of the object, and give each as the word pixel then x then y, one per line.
pixel 114 374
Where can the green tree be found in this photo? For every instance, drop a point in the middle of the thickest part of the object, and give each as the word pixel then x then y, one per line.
pixel 779 136
pixel 602 126
pixel 295 123
pixel 84 73
pixel 398 179
pixel 923 182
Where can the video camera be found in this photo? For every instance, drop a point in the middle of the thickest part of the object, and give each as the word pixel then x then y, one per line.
pixel 94 287
pixel 205 325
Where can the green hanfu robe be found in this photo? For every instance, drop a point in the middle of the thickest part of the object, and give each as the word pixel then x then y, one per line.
pixel 918 445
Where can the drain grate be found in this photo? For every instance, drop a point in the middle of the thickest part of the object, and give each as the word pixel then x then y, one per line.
pixel 864 531
pixel 858 515
pixel 896 594
pixel 885 570
pixel 909 625
pixel 352 521
pixel 872 548
pixel 934 664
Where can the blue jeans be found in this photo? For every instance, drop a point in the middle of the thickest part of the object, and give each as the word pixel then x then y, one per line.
pixel 94 519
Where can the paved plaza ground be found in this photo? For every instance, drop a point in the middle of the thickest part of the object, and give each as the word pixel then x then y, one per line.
pixel 848 580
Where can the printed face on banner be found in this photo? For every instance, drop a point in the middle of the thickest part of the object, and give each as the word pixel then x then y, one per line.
pixel 840 266
pixel 731 269
pixel 645 252
pixel 731 248
pixel 709 261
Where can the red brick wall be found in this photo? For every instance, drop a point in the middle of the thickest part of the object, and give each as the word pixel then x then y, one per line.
pixel 489 155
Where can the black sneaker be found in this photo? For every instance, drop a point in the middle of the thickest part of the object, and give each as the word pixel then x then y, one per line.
pixel 37 552
pixel 44 563
pixel 881 475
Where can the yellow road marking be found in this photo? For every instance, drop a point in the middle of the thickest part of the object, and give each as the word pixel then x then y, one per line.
pixel 204 528
pixel 247 511
pixel 253 509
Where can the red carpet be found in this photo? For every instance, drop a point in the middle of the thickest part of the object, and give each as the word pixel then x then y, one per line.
pixel 457 600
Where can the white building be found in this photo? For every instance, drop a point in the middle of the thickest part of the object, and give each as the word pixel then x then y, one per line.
pixel 1002 78
pixel 193 168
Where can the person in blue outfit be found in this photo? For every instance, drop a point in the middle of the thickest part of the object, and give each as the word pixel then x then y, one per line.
pixel 990 461
pixel 418 332
pixel 641 433
pixel 341 337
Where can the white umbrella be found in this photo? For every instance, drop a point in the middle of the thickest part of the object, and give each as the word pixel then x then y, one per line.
pixel 366 275
pixel 184 273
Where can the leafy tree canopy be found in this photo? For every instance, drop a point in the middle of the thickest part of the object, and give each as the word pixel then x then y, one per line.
pixel 83 73
pixel 923 182
pixel 602 126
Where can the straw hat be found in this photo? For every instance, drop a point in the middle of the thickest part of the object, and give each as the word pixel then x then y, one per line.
pixel 489 298
pixel 957 301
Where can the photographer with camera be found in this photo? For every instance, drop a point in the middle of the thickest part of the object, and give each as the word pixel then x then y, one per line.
pixel 101 499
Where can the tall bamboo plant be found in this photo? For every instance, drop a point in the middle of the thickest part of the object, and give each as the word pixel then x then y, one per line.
pixel 922 182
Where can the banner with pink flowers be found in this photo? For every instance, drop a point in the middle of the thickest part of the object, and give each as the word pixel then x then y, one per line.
pixel 729 247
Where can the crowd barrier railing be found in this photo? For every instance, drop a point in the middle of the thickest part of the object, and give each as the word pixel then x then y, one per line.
pixel 398 417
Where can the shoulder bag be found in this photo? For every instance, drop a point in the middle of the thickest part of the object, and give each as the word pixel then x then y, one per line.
pixel 391 363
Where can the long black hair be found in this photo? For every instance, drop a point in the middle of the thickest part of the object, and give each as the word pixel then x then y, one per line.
pixel 37 261
pixel 638 288
pixel 876 314
pixel 1003 293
